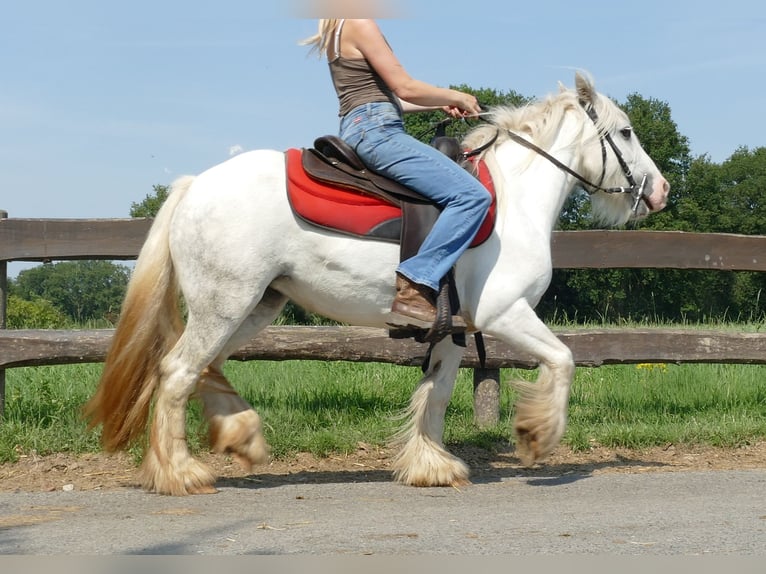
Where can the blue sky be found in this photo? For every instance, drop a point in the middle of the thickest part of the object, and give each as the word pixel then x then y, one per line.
pixel 100 100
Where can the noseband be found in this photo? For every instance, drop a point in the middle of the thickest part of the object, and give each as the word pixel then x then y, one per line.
pixel 636 191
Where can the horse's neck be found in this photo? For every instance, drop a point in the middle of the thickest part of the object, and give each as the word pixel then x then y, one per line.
pixel 532 189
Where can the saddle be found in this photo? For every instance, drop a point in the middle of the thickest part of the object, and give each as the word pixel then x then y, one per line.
pixel 333 161
pixel 407 216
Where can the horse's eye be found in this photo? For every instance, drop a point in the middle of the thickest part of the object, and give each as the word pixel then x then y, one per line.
pixel 626 132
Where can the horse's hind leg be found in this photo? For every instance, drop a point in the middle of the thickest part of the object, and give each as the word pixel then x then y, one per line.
pixel 422 459
pixel 234 426
pixel 168 467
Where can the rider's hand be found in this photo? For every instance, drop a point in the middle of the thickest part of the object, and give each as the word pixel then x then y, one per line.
pixel 453 111
pixel 466 106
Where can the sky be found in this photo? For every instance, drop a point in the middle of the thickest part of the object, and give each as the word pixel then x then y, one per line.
pixel 100 101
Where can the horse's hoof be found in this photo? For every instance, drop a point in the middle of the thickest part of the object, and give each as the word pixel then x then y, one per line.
pixel 527 448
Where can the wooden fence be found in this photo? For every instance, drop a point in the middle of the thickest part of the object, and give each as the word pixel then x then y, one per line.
pixel 121 239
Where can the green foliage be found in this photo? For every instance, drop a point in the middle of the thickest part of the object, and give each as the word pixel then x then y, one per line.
pixel 43 411
pixel 36 314
pixel 726 198
pixel 643 405
pixel 653 125
pixel 151 203
pixel 82 290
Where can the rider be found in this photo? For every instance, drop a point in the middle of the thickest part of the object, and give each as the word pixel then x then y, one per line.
pixel 374 90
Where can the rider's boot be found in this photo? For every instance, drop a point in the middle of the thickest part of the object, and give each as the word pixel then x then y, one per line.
pixel 414 307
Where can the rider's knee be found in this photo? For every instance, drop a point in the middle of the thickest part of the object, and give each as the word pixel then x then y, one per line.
pixel 483 198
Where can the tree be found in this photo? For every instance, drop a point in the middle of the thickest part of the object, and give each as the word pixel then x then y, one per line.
pixel 742 190
pixel 729 198
pixel 652 122
pixel 151 203
pixel 82 290
pixel 37 314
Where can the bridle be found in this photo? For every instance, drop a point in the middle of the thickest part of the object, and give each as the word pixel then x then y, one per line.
pixel 636 191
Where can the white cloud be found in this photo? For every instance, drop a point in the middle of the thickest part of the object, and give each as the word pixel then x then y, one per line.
pixel 235 149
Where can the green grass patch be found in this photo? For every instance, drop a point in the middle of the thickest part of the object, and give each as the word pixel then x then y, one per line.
pixel 329 407
pixel 637 406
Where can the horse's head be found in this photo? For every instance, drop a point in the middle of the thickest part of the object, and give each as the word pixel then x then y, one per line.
pixel 599 149
pixel 628 184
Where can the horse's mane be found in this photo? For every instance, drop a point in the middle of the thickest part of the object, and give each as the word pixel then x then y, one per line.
pixel 540 120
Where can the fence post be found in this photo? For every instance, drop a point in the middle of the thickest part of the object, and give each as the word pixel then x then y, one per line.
pixel 3 309
pixel 486 397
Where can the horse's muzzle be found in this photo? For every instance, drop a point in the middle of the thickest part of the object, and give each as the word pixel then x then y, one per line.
pixel 657 200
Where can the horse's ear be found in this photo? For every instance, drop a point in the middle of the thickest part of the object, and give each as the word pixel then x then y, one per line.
pixel 562 87
pixel 584 86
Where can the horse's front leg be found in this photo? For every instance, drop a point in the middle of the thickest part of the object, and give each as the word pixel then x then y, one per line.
pixel 422 459
pixel 541 409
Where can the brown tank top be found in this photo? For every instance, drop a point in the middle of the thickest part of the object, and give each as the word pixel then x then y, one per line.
pixel 355 81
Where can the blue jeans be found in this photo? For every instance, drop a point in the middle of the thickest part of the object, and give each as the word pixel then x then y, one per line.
pixel 376 132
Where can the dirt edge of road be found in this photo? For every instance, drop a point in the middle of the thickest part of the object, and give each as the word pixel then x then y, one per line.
pixel 100 471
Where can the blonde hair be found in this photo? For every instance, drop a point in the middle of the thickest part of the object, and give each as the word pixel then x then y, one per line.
pixel 321 40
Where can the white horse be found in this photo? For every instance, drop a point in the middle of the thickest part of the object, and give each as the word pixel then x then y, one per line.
pixel 229 243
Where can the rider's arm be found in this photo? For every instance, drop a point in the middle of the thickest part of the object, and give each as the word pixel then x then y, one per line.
pixel 367 39
pixel 408 107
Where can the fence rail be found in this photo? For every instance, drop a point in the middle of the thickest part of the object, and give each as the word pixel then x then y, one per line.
pixel 590 347
pixel 121 239
pixel 68 239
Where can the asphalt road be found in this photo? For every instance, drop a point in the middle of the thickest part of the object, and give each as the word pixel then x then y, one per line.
pixel 654 513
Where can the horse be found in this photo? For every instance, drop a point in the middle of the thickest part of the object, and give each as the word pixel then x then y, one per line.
pixel 227 245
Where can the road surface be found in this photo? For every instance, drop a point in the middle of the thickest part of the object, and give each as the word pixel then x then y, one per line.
pixel 651 513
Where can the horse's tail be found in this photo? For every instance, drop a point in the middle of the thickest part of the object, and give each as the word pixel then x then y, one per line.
pixel 150 324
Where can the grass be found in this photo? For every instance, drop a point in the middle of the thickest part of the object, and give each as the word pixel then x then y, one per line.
pixel 330 407
pixel 646 405
pixel 42 411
